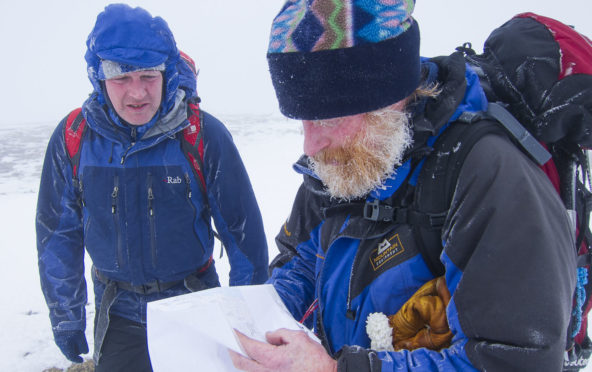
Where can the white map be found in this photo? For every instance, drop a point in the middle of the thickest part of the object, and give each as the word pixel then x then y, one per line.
pixel 194 331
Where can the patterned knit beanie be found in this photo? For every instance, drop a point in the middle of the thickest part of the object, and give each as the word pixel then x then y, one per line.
pixel 332 58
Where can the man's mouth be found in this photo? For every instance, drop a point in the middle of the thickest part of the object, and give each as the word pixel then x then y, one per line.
pixel 137 106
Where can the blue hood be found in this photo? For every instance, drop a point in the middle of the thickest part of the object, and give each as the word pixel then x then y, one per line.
pixel 131 36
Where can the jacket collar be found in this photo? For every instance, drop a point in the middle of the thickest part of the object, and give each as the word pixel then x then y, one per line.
pixel 99 120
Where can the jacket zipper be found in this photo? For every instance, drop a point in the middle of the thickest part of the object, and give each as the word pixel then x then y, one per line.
pixel 349 312
pixel 152 220
pixel 320 331
pixel 134 135
pixel 189 195
pixel 81 191
pixel 115 213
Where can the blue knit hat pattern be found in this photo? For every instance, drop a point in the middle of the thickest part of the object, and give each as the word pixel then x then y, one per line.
pixel 332 58
pixel 130 39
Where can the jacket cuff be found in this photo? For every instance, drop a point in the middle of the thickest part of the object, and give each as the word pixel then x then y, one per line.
pixel 68 320
pixel 357 359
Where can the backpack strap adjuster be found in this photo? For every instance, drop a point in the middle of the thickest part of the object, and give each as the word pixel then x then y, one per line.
pixel 470 117
pixel 374 211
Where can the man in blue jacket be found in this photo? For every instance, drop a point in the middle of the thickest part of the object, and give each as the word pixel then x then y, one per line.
pixel 371 110
pixel 135 202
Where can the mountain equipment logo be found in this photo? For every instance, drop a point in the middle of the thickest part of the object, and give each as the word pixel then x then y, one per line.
pixel 385 251
pixel 170 179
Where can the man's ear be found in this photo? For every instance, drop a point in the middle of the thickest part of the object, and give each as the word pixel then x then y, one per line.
pixel 106 95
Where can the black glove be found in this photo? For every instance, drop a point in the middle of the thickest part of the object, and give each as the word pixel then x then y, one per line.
pixel 71 344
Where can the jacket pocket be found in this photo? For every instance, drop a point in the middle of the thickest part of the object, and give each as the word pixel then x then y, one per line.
pixel 102 218
pixel 173 222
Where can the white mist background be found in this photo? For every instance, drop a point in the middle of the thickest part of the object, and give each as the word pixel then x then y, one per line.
pixel 44 77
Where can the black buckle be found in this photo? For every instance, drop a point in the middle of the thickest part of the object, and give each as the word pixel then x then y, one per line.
pixel 437 220
pixel 585 259
pixel 149 288
pixel 469 117
pixel 374 211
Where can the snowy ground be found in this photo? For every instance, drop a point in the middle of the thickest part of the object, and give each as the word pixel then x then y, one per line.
pixel 268 145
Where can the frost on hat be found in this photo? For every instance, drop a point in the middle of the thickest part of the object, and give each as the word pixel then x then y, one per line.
pixel 110 69
pixel 331 58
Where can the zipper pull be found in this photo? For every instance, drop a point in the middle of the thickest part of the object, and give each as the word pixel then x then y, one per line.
pixel 150 198
pixel 188 183
pixel 114 199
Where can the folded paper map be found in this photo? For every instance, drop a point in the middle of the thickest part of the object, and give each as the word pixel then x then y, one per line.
pixel 195 331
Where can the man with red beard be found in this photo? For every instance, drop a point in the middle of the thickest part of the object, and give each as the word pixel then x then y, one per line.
pixel 371 110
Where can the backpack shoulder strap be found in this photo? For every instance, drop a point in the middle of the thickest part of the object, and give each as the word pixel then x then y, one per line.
pixel 438 177
pixel 192 143
pixel 73 132
pixel 437 180
pixel 193 147
pixel 522 136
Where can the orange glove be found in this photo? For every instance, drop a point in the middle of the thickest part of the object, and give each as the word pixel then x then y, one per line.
pixel 421 321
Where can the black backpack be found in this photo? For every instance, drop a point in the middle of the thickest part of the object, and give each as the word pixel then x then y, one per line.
pixel 537 75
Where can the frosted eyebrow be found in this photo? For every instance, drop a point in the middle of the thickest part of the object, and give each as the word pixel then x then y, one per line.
pixel 326 123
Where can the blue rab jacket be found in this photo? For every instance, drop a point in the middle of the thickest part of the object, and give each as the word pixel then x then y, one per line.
pixel 508 255
pixel 138 208
pixel 140 213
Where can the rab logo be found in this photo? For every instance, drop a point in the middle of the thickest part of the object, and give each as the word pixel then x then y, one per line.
pixel 385 251
pixel 170 179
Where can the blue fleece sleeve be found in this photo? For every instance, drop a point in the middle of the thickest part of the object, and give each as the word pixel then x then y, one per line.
pixel 60 245
pixel 233 205
pixel 295 281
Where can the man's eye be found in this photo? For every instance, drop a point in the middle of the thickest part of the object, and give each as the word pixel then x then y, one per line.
pixel 150 77
pixel 120 79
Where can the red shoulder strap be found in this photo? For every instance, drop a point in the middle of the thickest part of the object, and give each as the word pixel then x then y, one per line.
pixel 193 136
pixel 75 124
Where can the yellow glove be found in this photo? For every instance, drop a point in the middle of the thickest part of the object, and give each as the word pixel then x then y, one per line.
pixel 421 321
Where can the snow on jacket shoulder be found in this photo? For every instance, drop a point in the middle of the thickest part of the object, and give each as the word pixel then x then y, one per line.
pixel 140 214
pixel 508 254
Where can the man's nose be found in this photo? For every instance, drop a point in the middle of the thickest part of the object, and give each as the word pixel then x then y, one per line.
pixel 315 138
pixel 137 89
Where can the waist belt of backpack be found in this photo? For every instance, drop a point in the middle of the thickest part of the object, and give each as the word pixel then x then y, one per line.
pixel 191 282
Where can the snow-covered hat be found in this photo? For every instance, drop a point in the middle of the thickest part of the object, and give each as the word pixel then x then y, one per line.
pixel 331 58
